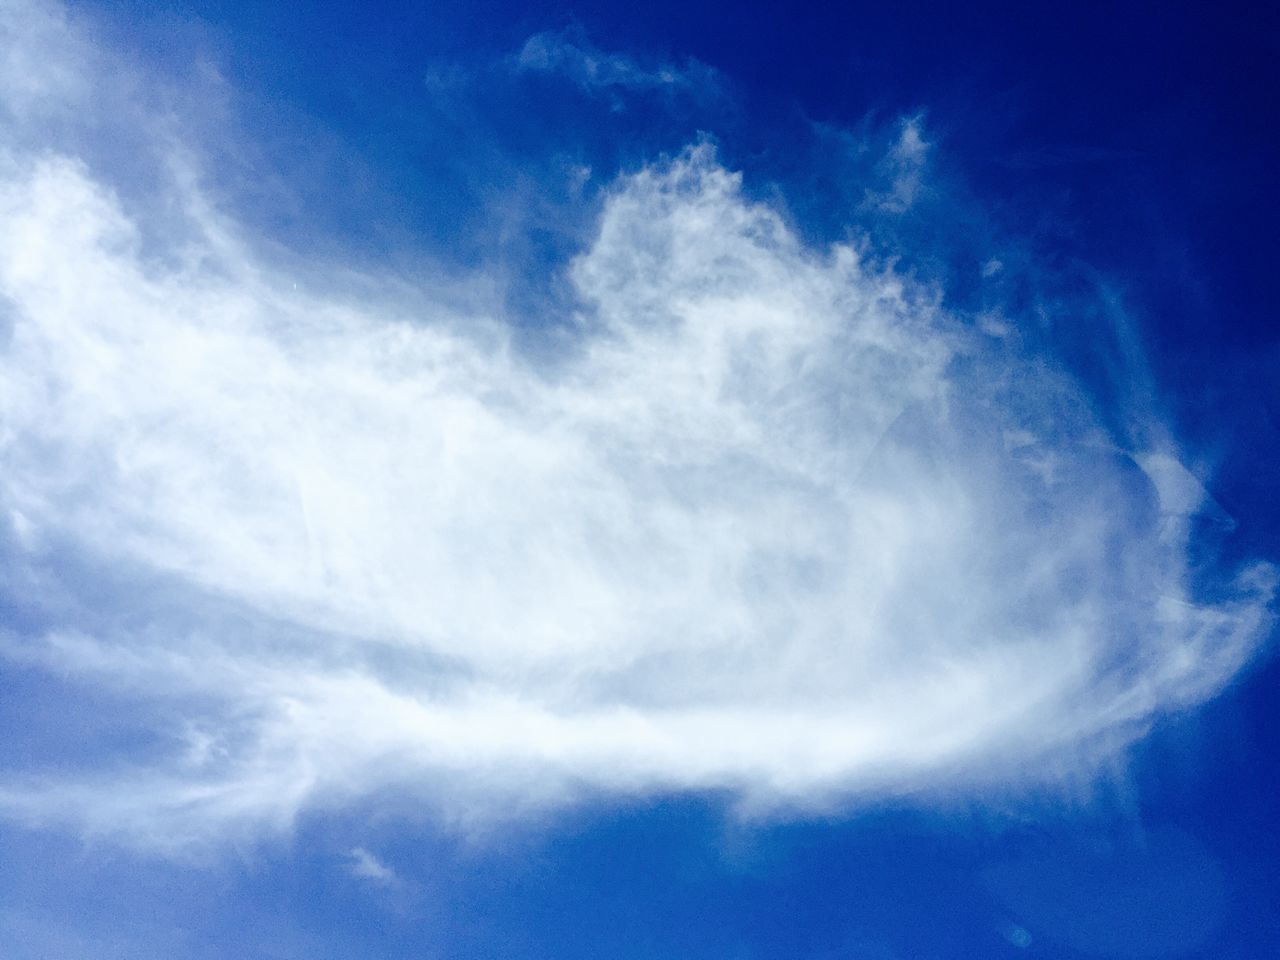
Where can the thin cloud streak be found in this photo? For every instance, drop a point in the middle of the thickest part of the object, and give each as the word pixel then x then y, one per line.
pixel 570 54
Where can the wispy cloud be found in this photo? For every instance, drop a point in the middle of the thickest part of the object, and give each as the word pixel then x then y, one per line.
pixel 368 867
pixel 569 53
pixel 30 81
pixel 775 523
pixel 903 168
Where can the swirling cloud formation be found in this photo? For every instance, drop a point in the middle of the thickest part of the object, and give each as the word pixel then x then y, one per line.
pixel 772 522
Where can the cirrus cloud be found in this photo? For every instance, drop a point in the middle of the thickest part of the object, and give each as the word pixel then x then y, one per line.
pixel 774 522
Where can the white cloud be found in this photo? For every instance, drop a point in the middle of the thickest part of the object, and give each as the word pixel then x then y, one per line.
pixel 904 169
pixel 368 867
pixel 761 529
pixel 570 54
pixel 43 70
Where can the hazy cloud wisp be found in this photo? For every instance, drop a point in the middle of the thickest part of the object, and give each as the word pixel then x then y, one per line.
pixel 570 54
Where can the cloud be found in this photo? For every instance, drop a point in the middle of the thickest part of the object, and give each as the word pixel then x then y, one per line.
pixel 368 867
pixel 774 524
pixel 31 83
pixel 903 168
pixel 569 53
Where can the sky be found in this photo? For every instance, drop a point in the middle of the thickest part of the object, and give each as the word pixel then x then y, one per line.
pixel 483 480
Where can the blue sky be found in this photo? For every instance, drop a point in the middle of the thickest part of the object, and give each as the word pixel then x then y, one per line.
pixel 637 481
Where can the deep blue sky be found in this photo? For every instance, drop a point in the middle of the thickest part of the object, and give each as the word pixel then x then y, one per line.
pixel 1127 148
